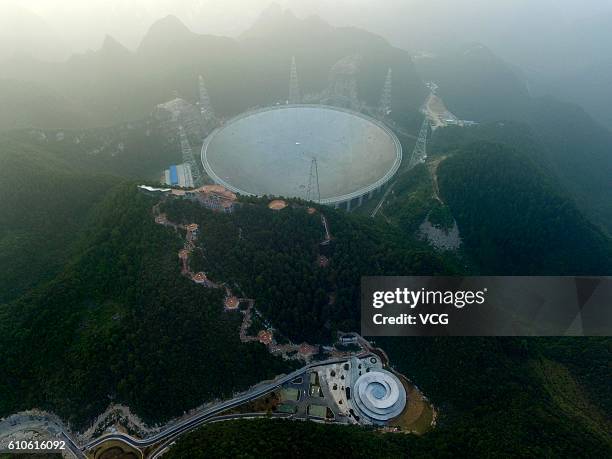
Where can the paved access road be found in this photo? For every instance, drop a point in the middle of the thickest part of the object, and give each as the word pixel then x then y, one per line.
pixel 162 448
pixel 210 414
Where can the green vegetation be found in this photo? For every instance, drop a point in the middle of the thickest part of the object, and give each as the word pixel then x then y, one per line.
pixel 440 216
pixel 44 203
pixel 94 310
pixel 350 347
pixel 97 311
pixel 272 257
pixel 277 439
pixel 256 325
pixel 513 218
pixel 588 361
pixel 120 324
pixel 477 85
pixel 495 397
pixel 492 395
pixel 26 103
pixel 49 190
pixel 132 150
pixel 411 200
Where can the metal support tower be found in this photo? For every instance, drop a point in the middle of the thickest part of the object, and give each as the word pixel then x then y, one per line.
pixel 419 154
pixel 188 157
pixel 312 193
pixel 206 109
pixel 384 108
pixel 294 86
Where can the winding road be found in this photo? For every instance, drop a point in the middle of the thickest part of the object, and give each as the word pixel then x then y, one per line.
pixel 208 415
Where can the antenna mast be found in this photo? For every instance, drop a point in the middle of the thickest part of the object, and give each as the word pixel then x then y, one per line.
pixel 384 107
pixel 206 109
pixel 419 154
pixel 294 87
pixel 313 192
pixel 188 157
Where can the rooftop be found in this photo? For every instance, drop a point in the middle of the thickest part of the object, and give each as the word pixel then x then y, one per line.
pixel 277 204
pixel 218 190
pixel 231 302
pixel 264 337
pixel 200 277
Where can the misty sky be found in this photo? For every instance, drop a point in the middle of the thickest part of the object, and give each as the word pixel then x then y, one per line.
pixel 77 25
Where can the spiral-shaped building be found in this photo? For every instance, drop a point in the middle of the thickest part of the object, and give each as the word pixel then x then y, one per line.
pixel 379 395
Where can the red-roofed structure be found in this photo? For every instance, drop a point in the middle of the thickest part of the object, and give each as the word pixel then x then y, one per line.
pixel 231 302
pixel 277 204
pixel 265 337
pixel 200 278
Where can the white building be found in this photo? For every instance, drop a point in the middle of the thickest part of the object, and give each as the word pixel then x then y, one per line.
pixel 379 396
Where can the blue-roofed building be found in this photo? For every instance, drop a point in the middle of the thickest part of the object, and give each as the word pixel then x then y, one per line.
pixel 178 175
pixel 173 175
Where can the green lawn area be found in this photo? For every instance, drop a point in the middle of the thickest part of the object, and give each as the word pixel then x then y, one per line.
pixel 290 394
pixel 317 411
pixel 282 408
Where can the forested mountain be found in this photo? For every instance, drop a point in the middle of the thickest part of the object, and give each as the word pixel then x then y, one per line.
pixel 514 219
pixel 117 322
pixel 588 86
pixel 27 103
pixel 44 202
pixel 113 85
pixel 503 397
pixel 477 85
pixel 132 150
pixel 273 257
pixel 317 46
pixel 94 308
pixel 299 439
pixel 510 388
pixel 513 214
pixel 120 324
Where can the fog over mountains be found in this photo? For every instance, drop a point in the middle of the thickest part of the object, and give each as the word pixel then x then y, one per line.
pixel 97 309
pixel 117 83
pixel 517 29
pixel 558 47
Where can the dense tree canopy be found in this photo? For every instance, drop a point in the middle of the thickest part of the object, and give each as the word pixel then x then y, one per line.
pixel 121 324
pixel 103 314
pixel 515 220
pixel 272 257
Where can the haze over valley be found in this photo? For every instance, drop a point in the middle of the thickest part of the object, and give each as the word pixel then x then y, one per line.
pixel 191 192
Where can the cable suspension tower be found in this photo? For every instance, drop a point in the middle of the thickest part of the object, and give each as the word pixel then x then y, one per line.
pixel 188 157
pixel 419 154
pixel 206 109
pixel 294 86
pixel 384 108
pixel 313 192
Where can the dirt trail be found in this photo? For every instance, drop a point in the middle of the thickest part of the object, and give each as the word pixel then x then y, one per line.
pixel 433 170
